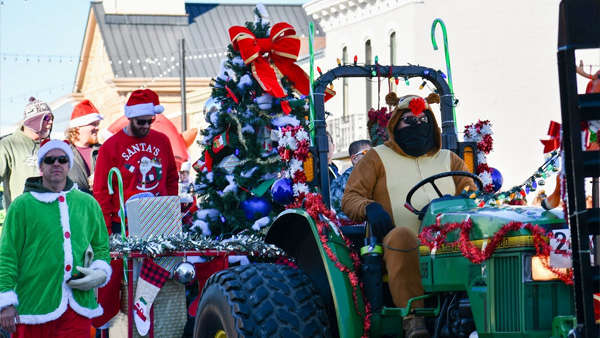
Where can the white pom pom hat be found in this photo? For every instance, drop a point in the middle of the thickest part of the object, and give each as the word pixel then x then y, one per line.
pixel 143 102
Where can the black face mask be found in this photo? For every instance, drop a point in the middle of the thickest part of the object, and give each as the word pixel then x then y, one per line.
pixel 415 140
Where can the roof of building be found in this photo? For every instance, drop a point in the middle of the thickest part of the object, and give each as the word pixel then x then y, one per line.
pixel 148 45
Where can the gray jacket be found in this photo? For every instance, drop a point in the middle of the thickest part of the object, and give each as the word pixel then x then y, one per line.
pixel 79 173
pixel 18 161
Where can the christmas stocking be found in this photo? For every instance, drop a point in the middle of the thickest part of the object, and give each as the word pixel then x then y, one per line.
pixel 152 278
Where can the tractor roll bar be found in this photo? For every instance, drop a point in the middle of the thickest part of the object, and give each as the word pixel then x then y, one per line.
pixel 436 77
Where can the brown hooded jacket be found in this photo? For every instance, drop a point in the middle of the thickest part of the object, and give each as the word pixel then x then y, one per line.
pixel 370 179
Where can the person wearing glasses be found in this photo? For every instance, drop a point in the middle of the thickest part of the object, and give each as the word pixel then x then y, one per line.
pixel 18 151
pixel 83 136
pixel 356 150
pixel 143 156
pixel 378 185
pixel 53 253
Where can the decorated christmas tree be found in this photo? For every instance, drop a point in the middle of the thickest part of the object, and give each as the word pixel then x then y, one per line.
pixel 241 180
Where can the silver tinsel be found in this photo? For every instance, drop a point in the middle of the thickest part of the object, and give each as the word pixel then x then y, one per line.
pixel 252 245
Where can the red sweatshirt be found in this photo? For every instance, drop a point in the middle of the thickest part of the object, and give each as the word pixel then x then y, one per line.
pixel 146 165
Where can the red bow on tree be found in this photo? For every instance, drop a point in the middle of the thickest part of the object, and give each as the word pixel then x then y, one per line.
pixel 554 142
pixel 282 47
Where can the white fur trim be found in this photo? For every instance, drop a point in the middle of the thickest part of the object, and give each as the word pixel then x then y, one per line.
pixel 67 295
pixel 8 298
pixel 55 144
pixel 104 267
pixel 49 197
pixel 85 120
pixel 66 299
pixel 142 109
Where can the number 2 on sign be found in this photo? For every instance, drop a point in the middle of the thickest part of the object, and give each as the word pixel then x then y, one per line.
pixel 560 256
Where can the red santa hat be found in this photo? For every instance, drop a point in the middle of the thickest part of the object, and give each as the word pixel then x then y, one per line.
pixel 83 114
pixel 143 102
pixel 49 144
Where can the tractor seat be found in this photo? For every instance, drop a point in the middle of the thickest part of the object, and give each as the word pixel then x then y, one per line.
pixel 355 233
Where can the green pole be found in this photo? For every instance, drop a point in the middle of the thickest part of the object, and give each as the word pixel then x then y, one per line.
pixel 311 34
pixel 447 54
pixel 115 171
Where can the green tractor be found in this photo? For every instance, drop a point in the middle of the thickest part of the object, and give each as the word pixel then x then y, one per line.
pixel 507 295
pixel 499 297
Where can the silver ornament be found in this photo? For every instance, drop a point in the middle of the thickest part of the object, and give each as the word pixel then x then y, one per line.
pixel 184 272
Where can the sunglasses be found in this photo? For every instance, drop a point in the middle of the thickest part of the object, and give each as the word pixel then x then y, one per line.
pixel 142 122
pixel 48 117
pixel 413 120
pixel 360 153
pixel 52 159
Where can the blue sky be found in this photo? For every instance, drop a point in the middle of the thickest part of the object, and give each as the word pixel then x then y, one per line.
pixel 40 41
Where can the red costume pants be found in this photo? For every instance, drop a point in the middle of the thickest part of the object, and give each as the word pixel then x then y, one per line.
pixel 70 324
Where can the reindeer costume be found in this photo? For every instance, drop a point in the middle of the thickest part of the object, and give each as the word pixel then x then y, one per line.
pixel 378 186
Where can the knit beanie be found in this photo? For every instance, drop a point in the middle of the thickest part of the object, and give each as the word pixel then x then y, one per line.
pixel 34 113
pixel 143 102
pixel 48 145
pixel 83 114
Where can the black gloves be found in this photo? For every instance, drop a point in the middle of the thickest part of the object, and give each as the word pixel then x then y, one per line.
pixel 380 220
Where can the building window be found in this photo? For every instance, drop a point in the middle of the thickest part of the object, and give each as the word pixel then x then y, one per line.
pixel 345 84
pixel 369 81
pixel 393 48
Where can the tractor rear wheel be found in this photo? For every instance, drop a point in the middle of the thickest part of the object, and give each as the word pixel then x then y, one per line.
pixel 260 300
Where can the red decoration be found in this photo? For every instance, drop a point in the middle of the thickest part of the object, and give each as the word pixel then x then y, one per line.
pixel 313 204
pixel 220 141
pixel 429 238
pixel 231 95
pixel 282 47
pixel 285 107
pixel 481 133
pixel 417 105
pixel 554 142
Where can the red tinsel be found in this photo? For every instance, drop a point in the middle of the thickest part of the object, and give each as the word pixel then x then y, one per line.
pixel 313 204
pixel 429 238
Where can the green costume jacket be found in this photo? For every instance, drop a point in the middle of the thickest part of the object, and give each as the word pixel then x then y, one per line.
pixel 45 236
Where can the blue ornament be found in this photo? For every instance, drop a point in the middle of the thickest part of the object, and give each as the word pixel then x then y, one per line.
pixel 282 191
pixel 496 179
pixel 256 207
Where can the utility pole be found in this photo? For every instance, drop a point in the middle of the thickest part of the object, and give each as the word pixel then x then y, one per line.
pixel 182 80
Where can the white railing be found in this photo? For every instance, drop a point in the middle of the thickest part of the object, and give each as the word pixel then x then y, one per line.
pixel 345 130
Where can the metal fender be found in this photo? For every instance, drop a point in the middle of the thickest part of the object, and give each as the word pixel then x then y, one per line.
pixel 296 232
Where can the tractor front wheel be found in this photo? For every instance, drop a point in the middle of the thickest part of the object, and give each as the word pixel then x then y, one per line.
pixel 260 300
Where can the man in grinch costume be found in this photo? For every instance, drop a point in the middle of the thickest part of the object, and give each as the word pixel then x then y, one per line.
pixel 53 253
pixel 377 189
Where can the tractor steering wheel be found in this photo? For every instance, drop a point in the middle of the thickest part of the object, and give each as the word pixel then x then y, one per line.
pixel 431 180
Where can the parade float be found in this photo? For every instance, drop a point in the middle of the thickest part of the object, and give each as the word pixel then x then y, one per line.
pixel 489 268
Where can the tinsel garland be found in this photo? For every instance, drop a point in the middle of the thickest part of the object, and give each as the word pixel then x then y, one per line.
pixel 481 133
pixel 293 150
pixel 252 245
pixel 313 204
pixel 530 184
pixel 435 235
